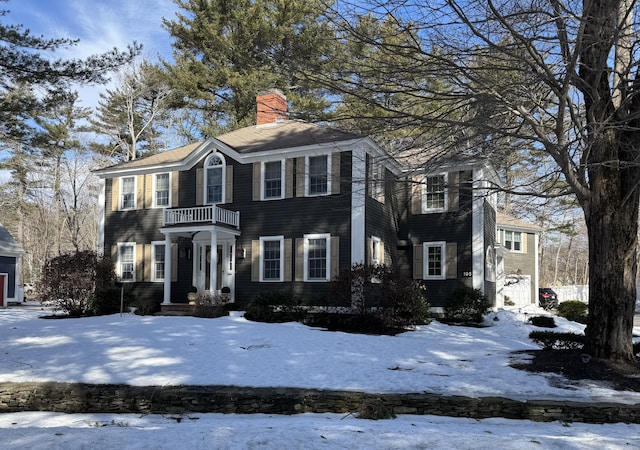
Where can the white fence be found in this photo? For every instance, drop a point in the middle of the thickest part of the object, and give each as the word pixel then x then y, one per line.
pixel 581 292
pixel 518 289
pixel 575 292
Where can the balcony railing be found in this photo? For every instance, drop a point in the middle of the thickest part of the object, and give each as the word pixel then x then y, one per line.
pixel 209 214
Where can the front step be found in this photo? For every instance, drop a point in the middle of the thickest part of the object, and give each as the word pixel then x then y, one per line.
pixel 176 309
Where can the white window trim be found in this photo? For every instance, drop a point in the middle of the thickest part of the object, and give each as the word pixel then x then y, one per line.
pixel 425 209
pixel 375 240
pixel 153 261
pixel 306 176
pixel 503 235
pixel 121 194
pixel 377 181
pixel 425 260
pixel 262 180
pixel 327 238
pixel 125 244
pixel 155 191
pixel 490 264
pixel 271 238
pixel 205 180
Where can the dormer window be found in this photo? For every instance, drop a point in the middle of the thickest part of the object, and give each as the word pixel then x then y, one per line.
pixel 214 179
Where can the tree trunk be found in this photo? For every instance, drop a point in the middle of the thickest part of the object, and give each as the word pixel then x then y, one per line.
pixel 612 281
pixel 611 209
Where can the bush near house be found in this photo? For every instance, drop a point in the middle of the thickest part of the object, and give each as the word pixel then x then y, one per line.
pixel 80 283
pixel 275 307
pixel 557 341
pixel 542 321
pixel 466 305
pixel 573 310
pixel 363 299
pixel 380 300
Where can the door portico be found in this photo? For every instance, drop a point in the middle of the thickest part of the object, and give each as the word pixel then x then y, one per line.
pixel 212 270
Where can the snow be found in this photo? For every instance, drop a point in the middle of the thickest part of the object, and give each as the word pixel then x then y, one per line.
pixel 155 350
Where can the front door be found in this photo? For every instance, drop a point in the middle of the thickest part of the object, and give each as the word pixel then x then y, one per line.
pixel 225 270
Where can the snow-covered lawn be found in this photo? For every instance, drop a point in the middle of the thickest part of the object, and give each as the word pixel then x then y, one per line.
pixel 149 350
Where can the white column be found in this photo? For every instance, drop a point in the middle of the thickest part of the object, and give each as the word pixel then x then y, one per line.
pixel 195 261
pixel 213 263
pixel 101 216
pixel 358 198
pixel 167 269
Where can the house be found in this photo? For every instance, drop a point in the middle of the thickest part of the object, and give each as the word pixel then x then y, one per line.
pixel 10 255
pixel 517 260
pixel 285 205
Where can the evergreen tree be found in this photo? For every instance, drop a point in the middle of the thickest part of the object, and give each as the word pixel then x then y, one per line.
pixel 226 51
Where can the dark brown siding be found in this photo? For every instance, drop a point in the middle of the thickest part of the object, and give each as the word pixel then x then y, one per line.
pixel 451 226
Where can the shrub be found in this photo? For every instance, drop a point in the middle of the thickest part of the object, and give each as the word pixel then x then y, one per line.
pixel 543 321
pixel 573 310
pixel 70 281
pixel 558 341
pixel 274 307
pixel 380 296
pixel 466 304
pixel 210 306
pixel 108 300
pixel 146 307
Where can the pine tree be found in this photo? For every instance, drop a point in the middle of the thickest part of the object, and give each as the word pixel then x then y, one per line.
pixel 226 51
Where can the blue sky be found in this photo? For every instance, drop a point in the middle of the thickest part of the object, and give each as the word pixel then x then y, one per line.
pixel 99 24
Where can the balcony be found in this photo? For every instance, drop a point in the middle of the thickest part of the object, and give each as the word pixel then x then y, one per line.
pixel 200 214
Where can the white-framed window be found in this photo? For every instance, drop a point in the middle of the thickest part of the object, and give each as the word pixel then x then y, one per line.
pixel 214 168
pixel 317 256
pixel 434 254
pixel 512 240
pixel 272 180
pixel 318 180
pixel 162 190
pixel 158 258
pixel 434 193
pixel 377 181
pixel 128 193
pixel 376 251
pixel 490 264
pixel 271 258
pixel 127 261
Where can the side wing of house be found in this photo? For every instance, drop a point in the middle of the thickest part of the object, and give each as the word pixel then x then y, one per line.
pixel 447 238
pixel 519 267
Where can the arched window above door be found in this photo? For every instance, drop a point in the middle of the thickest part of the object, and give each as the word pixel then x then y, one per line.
pixel 214 179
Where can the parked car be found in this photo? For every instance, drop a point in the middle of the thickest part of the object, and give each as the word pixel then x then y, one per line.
pixel 547 298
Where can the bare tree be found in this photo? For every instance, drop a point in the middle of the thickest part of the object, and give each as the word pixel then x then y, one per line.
pixel 129 114
pixel 555 93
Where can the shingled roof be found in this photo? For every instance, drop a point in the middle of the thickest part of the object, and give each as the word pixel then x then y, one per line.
pixel 281 135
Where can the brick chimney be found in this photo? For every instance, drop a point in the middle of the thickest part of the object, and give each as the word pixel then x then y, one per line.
pixel 271 107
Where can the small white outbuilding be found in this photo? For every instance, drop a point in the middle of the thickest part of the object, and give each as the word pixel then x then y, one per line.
pixel 10 255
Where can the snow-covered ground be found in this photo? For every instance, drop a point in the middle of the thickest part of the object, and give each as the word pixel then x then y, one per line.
pixel 149 350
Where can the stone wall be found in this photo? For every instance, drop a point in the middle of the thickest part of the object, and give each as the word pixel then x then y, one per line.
pixel 91 398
